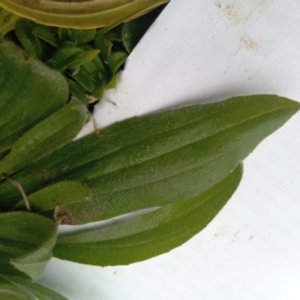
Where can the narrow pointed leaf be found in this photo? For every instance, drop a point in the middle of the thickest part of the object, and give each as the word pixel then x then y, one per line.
pixel 51 134
pixel 150 234
pixel 79 14
pixel 156 160
pixel 26 244
pixel 31 88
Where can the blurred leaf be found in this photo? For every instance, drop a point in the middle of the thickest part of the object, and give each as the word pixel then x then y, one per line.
pixel 19 289
pixel 47 34
pixel 26 244
pixel 151 234
pixel 115 60
pixel 7 21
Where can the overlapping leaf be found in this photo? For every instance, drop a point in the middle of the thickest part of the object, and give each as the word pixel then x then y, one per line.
pixel 150 234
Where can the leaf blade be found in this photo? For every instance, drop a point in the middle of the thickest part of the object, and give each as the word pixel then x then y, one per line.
pixel 151 234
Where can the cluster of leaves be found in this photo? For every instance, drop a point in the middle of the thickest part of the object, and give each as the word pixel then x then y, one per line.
pixel 89 59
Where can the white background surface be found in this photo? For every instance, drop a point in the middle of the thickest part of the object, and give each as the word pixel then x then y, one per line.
pixel 201 51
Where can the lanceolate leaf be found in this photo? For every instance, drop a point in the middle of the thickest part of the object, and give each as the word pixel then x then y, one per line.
pixel 150 234
pixel 79 14
pixel 29 92
pixel 51 134
pixel 26 244
pixel 158 159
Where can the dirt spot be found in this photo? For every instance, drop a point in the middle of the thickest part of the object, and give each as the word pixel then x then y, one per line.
pixel 249 43
pixel 63 216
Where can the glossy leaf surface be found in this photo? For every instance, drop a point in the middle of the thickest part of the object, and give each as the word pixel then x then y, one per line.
pixel 79 14
pixel 150 234
pixel 31 88
pixel 158 159
pixel 26 244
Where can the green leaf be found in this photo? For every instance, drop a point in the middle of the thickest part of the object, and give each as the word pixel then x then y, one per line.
pixel 26 244
pixel 64 57
pixel 77 36
pixel 47 34
pixel 31 88
pixel 151 234
pixel 16 288
pixel 29 41
pixel 115 60
pixel 157 159
pixel 58 194
pixel 79 14
pixel 51 134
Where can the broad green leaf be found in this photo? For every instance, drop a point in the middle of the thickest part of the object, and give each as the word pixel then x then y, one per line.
pixel 57 194
pixel 157 159
pixel 15 288
pixel 26 244
pixel 51 134
pixel 151 234
pixel 79 14
pixel 29 87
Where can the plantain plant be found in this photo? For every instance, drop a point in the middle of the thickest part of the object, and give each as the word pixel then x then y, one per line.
pixel 183 164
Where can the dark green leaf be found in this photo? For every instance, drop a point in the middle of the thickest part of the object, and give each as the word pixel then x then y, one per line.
pixel 51 134
pixel 47 34
pixel 151 234
pixel 29 87
pixel 29 41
